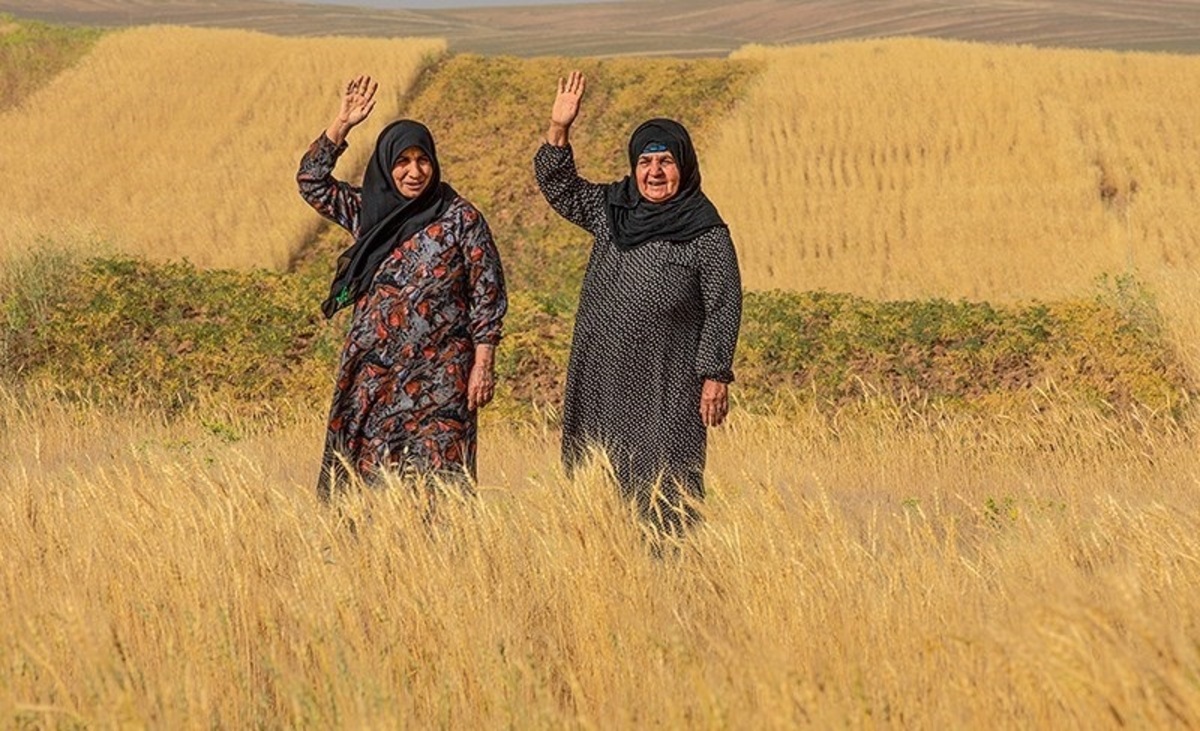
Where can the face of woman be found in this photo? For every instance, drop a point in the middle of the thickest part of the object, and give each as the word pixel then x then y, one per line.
pixel 412 172
pixel 657 176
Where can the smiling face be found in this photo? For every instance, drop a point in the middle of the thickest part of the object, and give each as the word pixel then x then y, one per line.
pixel 412 172
pixel 657 176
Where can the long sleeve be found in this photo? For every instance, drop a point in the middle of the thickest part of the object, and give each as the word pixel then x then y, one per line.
pixel 337 201
pixel 485 283
pixel 575 199
pixel 721 290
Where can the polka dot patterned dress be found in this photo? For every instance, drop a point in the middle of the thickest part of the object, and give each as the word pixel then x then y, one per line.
pixel 653 323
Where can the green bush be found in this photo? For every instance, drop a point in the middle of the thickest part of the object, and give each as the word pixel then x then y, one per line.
pixel 170 336
pixel 1108 351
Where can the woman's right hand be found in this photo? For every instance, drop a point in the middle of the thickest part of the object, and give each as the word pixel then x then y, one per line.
pixel 357 102
pixel 566 108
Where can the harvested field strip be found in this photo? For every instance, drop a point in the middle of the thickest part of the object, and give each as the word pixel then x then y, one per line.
pixel 176 143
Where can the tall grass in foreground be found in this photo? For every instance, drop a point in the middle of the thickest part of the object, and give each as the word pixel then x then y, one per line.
pixel 173 142
pixel 913 168
pixel 860 571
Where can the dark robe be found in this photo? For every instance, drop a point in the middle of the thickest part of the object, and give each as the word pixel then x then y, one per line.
pixel 655 320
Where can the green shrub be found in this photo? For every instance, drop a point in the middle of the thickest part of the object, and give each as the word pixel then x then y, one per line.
pixel 1108 351
pixel 170 336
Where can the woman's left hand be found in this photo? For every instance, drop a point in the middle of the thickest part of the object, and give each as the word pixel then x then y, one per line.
pixel 481 382
pixel 714 402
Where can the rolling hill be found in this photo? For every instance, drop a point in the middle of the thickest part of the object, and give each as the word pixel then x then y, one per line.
pixel 674 27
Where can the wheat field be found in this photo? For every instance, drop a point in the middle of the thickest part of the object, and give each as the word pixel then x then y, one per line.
pixel 913 168
pixel 183 143
pixel 879 566
pixel 854 573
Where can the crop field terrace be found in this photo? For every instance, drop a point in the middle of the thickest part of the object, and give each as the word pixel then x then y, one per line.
pixel 958 487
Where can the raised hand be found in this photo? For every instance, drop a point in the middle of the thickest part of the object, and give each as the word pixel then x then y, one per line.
pixel 357 102
pixel 566 104
pixel 566 108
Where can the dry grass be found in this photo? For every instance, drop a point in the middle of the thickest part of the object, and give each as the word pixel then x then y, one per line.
pixel 171 142
pixel 850 573
pixel 912 168
pixel 881 568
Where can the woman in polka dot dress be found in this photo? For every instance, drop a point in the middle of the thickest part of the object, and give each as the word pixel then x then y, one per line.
pixel 659 313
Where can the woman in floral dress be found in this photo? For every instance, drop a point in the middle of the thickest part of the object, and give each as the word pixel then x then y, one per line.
pixel 427 290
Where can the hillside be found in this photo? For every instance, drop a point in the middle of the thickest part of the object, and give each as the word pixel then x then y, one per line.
pixel 175 337
pixel 674 27
pixel 180 147
pixel 915 168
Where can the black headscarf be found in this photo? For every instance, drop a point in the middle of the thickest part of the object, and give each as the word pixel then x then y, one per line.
pixel 682 218
pixel 387 217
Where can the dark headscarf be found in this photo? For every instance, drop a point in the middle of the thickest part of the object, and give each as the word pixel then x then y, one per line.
pixel 387 218
pixel 682 218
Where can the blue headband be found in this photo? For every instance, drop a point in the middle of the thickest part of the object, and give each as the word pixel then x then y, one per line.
pixel 652 147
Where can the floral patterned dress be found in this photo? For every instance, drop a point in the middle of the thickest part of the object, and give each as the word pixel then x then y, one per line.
pixel 400 400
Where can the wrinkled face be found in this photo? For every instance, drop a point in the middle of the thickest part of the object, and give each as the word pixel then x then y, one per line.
pixel 657 176
pixel 412 172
